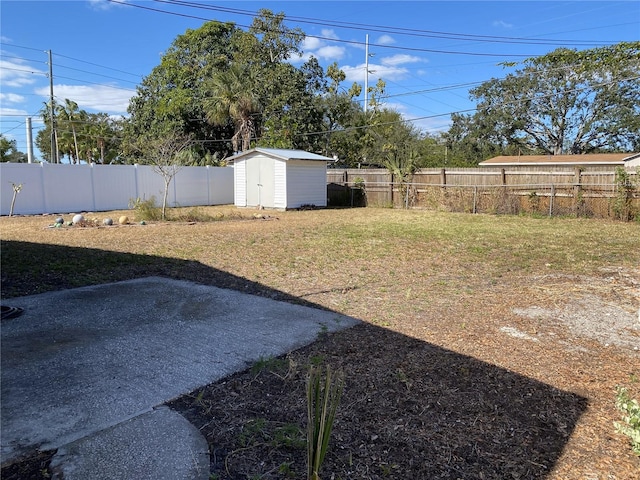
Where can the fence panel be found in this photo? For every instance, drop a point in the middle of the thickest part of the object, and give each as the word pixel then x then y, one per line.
pixel 113 186
pixel 30 200
pixel 67 186
pixel 220 185
pixel 63 188
pixel 150 184
pixel 548 190
pixel 191 186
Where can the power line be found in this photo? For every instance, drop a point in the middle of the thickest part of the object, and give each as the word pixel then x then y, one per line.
pixel 12 45
pixel 397 30
pixel 98 65
pixel 350 42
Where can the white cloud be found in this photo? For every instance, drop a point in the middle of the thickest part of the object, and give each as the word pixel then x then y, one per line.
pixel 17 74
pixel 320 48
pixel 12 112
pixel 328 33
pixel 311 43
pixel 386 72
pixel 103 4
pixel 11 98
pixel 399 59
pixel 330 52
pixel 386 40
pixel 502 24
pixel 101 98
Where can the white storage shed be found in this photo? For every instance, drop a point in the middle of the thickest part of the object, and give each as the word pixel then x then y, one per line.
pixel 279 178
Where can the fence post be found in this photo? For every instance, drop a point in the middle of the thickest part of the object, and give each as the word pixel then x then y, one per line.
pixel 577 187
pixel 42 185
pixel 135 177
pixel 553 194
pixel 475 197
pixel 406 196
pixel 208 185
pixel 391 189
pixel 93 187
pixel 443 178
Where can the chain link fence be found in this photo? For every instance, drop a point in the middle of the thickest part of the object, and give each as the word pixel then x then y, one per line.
pixel 601 201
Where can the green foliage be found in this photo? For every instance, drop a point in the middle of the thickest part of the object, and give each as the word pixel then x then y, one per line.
pixel 567 101
pixel 323 397
pixel 260 431
pixel 171 97
pixel 146 210
pixel 81 136
pixel 195 214
pixel 630 425
pixel 622 203
pixel 269 364
pixel 232 98
pixel 9 151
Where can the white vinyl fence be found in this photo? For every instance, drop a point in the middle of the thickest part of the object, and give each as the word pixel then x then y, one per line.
pixel 48 188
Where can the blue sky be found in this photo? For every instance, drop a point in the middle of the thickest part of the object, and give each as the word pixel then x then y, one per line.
pixel 428 53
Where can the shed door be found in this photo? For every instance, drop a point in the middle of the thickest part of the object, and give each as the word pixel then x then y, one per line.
pixel 260 181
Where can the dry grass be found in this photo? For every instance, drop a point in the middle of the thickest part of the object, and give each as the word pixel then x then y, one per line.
pixel 445 379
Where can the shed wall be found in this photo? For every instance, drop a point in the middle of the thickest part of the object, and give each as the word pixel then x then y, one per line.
pixel 240 183
pixel 306 183
pixel 280 184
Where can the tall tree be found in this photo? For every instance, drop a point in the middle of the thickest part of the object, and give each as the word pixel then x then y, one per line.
pixel 233 98
pixel 172 96
pixel 567 101
pixel 70 118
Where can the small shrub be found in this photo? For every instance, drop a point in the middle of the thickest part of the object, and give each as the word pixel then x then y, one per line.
pixel 195 215
pixel 631 418
pixel 622 203
pixel 146 209
pixel 534 202
pixel 323 397
pixel 269 364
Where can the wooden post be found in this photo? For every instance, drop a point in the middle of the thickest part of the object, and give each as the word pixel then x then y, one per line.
pixel 577 187
pixel 391 190
pixel 553 194
pixel 443 178
pixel 475 198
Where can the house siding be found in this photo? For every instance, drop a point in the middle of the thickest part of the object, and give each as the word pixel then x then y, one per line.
pixel 306 183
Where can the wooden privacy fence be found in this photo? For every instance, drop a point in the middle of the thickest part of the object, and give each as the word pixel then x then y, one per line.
pixel 49 188
pixel 549 190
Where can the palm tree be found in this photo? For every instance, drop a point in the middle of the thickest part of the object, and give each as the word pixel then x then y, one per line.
pixel 233 98
pixel 71 115
pixel 100 132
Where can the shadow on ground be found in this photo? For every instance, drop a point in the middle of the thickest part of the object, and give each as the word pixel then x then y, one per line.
pixel 410 409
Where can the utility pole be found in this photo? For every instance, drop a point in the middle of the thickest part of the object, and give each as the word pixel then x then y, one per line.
pixel 52 113
pixel 29 141
pixel 366 72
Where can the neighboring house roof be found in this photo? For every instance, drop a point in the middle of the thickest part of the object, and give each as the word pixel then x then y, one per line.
pixel 283 154
pixel 587 159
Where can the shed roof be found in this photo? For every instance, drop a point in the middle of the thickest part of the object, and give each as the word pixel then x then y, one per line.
pixel 586 159
pixel 283 154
